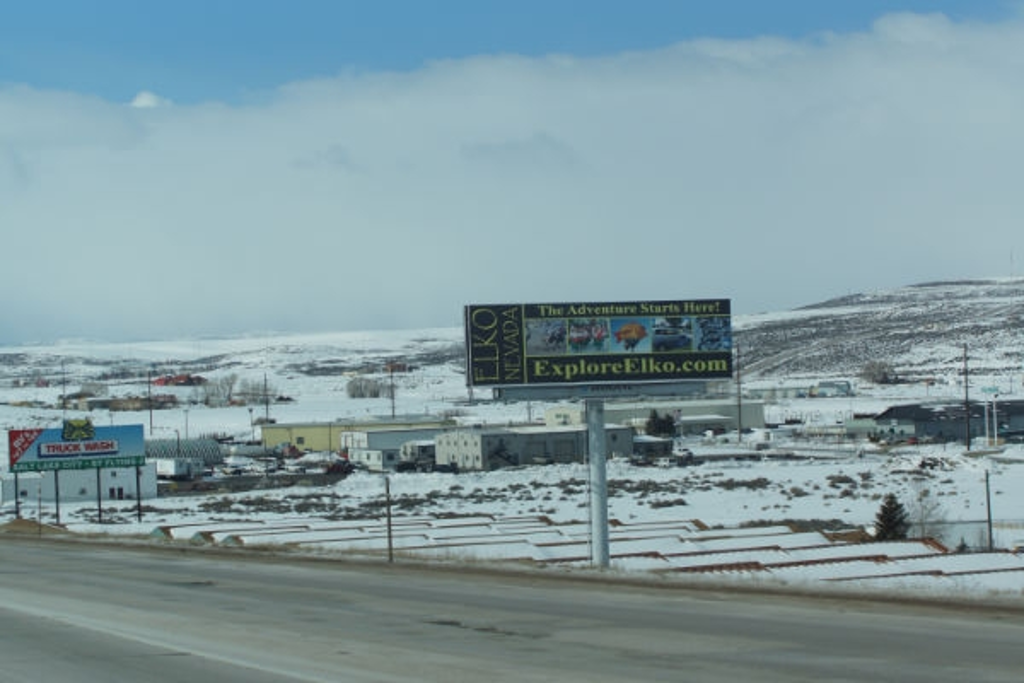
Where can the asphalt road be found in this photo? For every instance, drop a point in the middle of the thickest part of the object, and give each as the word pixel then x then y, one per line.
pixel 85 612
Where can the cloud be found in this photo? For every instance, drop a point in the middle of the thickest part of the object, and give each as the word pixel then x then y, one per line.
pixel 773 172
pixel 147 100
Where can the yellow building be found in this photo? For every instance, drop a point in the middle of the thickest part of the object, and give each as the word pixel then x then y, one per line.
pixel 327 436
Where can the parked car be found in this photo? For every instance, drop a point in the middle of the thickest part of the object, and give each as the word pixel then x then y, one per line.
pixel 671 339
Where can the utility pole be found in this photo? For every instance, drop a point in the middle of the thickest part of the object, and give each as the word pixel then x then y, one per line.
pixel 391 386
pixel 149 398
pixel 63 391
pixel 988 508
pixel 967 404
pixel 387 501
pixel 266 400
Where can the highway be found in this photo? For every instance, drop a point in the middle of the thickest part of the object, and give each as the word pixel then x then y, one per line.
pixel 82 612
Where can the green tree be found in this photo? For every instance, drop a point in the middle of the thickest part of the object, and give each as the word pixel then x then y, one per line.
pixel 660 425
pixel 891 522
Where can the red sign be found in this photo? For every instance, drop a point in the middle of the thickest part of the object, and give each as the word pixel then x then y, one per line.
pixel 19 441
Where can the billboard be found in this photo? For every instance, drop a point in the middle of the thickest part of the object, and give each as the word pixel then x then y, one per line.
pixel 76 445
pixel 585 343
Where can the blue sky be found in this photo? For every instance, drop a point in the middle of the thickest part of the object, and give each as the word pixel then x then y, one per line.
pixel 200 168
pixel 229 50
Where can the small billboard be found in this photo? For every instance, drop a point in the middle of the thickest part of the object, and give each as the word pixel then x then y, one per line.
pixel 588 343
pixel 78 444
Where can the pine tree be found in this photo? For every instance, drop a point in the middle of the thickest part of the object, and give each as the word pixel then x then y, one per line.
pixel 891 521
pixel 660 425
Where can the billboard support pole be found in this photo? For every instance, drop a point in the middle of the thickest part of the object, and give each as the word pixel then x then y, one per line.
pixel 596 438
pixel 17 497
pixel 739 397
pixel 99 498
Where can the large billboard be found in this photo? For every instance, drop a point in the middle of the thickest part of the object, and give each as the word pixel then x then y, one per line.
pixel 76 445
pixel 585 343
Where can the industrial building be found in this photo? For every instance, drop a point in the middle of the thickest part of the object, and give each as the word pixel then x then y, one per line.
pixel 327 436
pixel 492 448
pixel 381 449
pixel 73 485
pixel 692 417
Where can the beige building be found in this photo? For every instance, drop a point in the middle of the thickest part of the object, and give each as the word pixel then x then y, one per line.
pixel 332 436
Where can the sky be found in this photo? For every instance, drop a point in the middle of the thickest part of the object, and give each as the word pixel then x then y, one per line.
pixel 203 168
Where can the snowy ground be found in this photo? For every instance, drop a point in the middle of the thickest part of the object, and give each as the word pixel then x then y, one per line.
pixel 672 521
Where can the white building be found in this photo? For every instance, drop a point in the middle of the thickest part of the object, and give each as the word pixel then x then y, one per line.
pixel 691 417
pixel 115 484
pixel 381 449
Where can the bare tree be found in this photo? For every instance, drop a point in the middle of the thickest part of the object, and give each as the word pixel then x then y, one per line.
pixel 925 512
pixel 254 391
pixel 221 391
pixel 367 387
pixel 878 372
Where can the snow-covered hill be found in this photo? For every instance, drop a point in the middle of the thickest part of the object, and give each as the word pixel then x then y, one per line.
pixel 920 330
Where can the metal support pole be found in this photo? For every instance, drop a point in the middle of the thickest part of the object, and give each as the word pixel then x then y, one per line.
pixel 138 493
pixel 988 508
pixel 739 398
pixel 56 494
pixel 598 483
pixel 967 404
pixel 995 420
pixel 387 496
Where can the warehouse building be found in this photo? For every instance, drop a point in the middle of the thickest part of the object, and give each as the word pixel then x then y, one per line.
pixel 691 417
pixel 492 448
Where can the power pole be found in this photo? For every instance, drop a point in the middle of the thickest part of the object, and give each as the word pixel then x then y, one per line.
pixel 988 510
pixel 967 404
pixel 266 400
pixel 391 386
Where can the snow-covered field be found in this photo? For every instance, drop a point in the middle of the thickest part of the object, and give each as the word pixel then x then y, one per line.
pixel 742 520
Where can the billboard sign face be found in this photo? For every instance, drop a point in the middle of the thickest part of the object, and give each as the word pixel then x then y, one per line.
pixel 587 343
pixel 76 445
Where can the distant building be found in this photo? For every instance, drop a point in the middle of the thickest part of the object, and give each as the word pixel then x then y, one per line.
pixel 691 417
pixel 422 454
pixel 183 458
pixel 651 447
pixel 831 389
pixel 381 449
pixel 115 484
pixel 327 436
pixel 945 421
pixel 492 448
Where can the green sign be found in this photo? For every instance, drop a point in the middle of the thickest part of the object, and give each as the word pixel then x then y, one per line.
pixel 80 464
